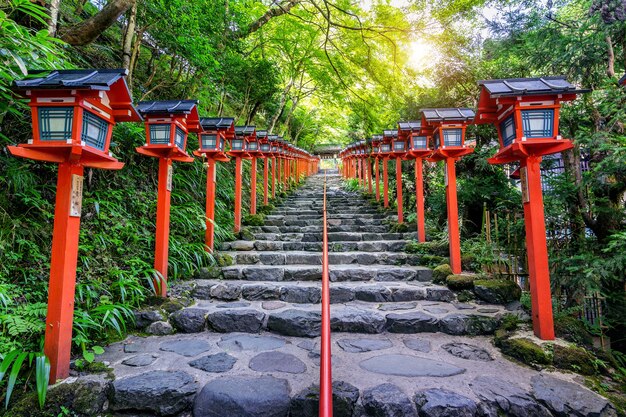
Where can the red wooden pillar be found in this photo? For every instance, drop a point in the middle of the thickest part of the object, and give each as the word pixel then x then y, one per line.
pixel 163 223
pixel 385 186
pixel 253 186
pixel 274 177
pixel 453 216
pixel 377 179
pixel 419 200
pixel 210 204
pixel 237 194
pixel 399 189
pixel 369 176
pixel 538 267
pixel 265 175
pixel 58 338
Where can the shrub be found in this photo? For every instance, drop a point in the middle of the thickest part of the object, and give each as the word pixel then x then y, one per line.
pixel 254 220
pixel 441 273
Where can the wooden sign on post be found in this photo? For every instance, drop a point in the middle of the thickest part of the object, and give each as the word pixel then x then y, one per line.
pixel 76 198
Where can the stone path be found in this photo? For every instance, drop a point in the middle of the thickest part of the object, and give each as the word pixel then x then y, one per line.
pixel 249 345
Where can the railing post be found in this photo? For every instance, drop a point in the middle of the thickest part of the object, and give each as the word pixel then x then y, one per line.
pixel 419 200
pixel 399 189
pixel 265 175
pixel 253 186
pixel 385 185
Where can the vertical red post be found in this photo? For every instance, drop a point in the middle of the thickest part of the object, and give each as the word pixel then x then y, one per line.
pixel 377 179
pixel 274 177
pixel 399 189
pixel 265 175
pixel 210 204
pixel 538 267
pixel 253 186
pixel 419 200
pixel 385 185
pixel 163 223
pixel 58 339
pixel 453 216
pixel 237 194
pixel 369 176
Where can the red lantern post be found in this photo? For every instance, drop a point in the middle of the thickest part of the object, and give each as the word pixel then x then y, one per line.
pixel 73 113
pixel 447 126
pixel 265 148
pixel 418 149
pixel 399 147
pixel 525 112
pixel 385 151
pixel 167 126
pixel 239 151
pixel 212 146
pixel 376 139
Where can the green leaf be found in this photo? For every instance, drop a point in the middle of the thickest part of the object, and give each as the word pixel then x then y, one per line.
pixel 98 350
pixel 15 370
pixel 6 363
pixel 42 376
pixel 88 356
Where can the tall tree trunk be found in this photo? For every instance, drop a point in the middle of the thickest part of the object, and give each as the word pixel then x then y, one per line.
pixel 281 107
pixel 610 66
pixel 54 17
pixel 253 112
pixel 127 43
pixel 134 55
pixel 279 10
pixel 88 30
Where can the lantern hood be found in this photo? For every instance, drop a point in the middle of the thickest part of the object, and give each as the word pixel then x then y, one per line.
pixel 218 123
pixel 113 81
pixel 172 107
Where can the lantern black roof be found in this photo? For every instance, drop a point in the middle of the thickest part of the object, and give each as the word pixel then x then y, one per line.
pixel 261 134
pixel 211 123
pixel 449 114
pixel 377 137
pixel 410 126
pixel 167 106
pixel 390 133
pixel 272 137
pixel 529 86
pixel 244 130
pixel 93 79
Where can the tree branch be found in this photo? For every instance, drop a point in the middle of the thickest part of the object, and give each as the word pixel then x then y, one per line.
pixel 279 10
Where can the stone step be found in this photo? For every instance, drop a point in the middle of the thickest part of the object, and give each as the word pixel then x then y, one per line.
pixel 331 222
pixel 337 273
pixel 333 236
pixel 318 228
pixel 406 293
pixel 315 258
pixel 303 320
pixel 430 375
pixel 269 245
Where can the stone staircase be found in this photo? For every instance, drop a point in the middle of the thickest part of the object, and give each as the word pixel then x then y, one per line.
pixel 248 343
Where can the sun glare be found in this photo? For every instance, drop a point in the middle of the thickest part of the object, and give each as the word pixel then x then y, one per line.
pixel 421 54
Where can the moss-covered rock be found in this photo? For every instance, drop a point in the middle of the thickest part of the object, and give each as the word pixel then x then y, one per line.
pixel 572 329
pixel 398 227
pixel 266 209
pixel 574 359
pixel 207 273
pixel 224 259
pixel 84 397
pixel 254 220
pixel 441 273
pixel 509 322
pixel 432 261
pixel 524 350
pixel 246 234
pixel 172 306
pixel 497 291
pixel 460 282
pixel 464 296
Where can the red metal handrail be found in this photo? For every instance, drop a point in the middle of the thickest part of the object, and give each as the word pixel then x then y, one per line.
pixel 326 388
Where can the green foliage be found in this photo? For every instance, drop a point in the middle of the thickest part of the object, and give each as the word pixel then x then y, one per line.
pixel 577 359
pixel 524 350
pixel 441 273
pixel 20 362
pixel 254 220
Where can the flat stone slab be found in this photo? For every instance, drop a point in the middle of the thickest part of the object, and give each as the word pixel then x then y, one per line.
pixel 412 366
pixel 186 347
pixel 364 344
pixel 467 351
pixel 437 402
pixel 277 362
pixel 273 305
pixel 387 400
pixel 140 360
pixel 397 306
pixel 218 363
pixel 418 344
pixel 241 342
pixel 246 396
pixel 237 304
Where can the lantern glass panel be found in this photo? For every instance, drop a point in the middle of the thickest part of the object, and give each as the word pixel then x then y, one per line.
pixel 180 138
pixel 375 149
pixel 538 123
pixel 507 130
pixel 265 147
pixel 399 145
pixel 385 147
pixel 253 145
pixel 55 123
pixel 274 148
pixel 452 137
pixel 222 144
pixel 209 141
pixel 95 130
pixel 236 144
pixel 160 134
pixel 420 142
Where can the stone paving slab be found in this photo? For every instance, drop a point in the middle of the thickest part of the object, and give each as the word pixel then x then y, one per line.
pixel 438 369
